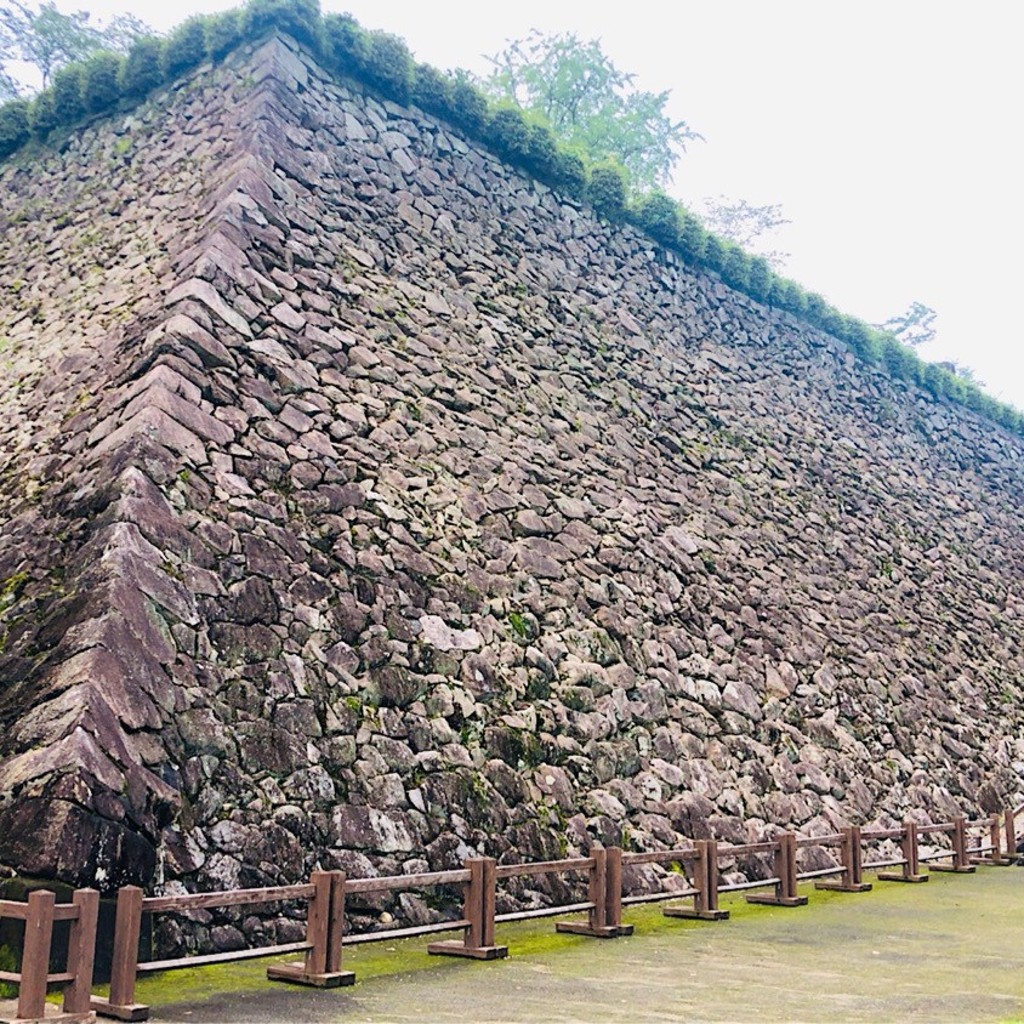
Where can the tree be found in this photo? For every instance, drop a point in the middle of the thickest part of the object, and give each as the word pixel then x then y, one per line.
pixel 914 327
pixel 574 88
pixel 744 224
pixel 48 39
pixel 8 86
pixel 9 89
pixel 963 372
pixel 121 32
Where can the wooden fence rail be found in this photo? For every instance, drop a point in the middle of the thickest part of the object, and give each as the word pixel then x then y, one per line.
pixel 984 841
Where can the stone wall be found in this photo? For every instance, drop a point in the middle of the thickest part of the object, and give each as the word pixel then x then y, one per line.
pixel 374 506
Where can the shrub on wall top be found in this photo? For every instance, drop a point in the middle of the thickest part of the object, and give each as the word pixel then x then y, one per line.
pixel 760 278
pixel 470 110
pixel 736 271
pixel 816 308
pixel 224 32
pixel 788 295
pixel 693 238
pixel 14 129
pixel 901 361
pixel 100 75
pixel 298 18
pixel 509 134
pixel 67 94
pixel 606 190
pixel 862 339
pixel 431 90
pixel 569 174
pixel 658 215
pixel 141 72
pixel 714 252
pixel 42 116
pixel 389 65
pixel 184 49
pixel 541 156
pixel 346 45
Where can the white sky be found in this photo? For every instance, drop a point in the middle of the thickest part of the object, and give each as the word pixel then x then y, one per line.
pixel 887 129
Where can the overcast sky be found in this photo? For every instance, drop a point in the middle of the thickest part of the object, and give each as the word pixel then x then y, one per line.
pixel 887 130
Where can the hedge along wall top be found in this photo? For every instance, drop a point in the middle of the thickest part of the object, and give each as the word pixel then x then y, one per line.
pixel 110 82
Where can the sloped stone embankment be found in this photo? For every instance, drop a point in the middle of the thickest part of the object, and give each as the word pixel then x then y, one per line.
pixel 365 503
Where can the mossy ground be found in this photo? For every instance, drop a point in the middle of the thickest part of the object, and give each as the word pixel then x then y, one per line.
pixel 950 950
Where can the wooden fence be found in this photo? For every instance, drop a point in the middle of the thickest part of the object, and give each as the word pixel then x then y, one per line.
pixel 40 913
pixel 699 866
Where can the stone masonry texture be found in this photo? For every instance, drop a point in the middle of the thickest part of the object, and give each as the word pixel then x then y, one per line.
pixel 364 504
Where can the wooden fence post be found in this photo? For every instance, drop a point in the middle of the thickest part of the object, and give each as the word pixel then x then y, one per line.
pixel 1010 830
pixel 908 845
pixel 709 910
pixel 613 897
pixel 961 859
pixel 127 928
pixel 852 857
pixel 336 933
pixel 958 841
pixel 35 957
pixel 604 891
pixel 785 894
pixel 478 942
pixel 996 839
pixel 705 881
pixel 597 894
pixel 82 952
pixel 319 919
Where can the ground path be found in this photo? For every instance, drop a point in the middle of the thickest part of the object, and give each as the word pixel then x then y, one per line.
pixel 951 950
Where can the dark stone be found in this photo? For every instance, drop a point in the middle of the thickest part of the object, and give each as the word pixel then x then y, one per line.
pixel 251 601
pixel 396 686
pixel 55 839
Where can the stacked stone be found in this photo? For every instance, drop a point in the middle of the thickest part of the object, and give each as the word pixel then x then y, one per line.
pixel 416 512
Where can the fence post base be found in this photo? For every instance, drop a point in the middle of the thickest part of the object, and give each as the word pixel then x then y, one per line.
pixel 478 943
pixel 296 974
pixel 452 947
pixel 128 1011
pixel 608 931
pixel 777 901
pixel 996 858
pixel 965 869
pixel 325 926
pixel 910 872
pixel 961 863
pixel 843 887
pixel 695 915
pixel 55 1018
pixel 121 1005
pixel 852 861
pixel 605 891
pixel 785 894
pixel 705 882
pixel 84 1017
